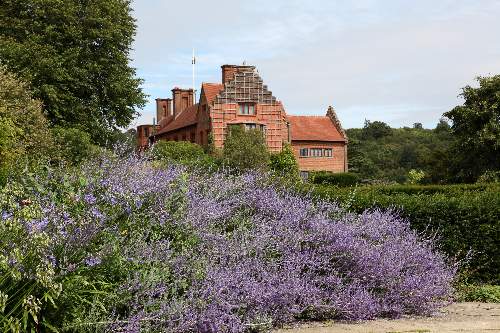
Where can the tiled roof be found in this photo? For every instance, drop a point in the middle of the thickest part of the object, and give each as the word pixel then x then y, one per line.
pixel 165 120
pixel 211 90
pixel 184 119
pixel 314 128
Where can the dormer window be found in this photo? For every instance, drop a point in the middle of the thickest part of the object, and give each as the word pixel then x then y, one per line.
pixel 247 108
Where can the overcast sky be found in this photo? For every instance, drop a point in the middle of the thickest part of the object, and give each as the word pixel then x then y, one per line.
pixel 400 62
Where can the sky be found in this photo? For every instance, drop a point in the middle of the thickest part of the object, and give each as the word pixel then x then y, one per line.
pixel 400 62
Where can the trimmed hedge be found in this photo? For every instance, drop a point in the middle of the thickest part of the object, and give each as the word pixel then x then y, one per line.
pixel 465 217
pixel 182 152
pixel 342 179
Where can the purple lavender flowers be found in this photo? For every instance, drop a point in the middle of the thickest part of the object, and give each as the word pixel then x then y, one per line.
pixel 251 256
pixel 223 253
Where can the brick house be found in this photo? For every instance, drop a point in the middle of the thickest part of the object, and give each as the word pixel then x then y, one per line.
pixel 242 99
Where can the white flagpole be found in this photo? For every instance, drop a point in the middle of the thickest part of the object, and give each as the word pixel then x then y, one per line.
pixel 193 62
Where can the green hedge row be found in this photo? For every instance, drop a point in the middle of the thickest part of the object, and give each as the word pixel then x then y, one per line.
pixel 450 190
pixel 342 179
pixel 465 217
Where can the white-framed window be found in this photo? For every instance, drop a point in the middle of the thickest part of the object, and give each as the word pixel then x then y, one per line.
pixel 246 108
pixel 328 152
pixel 304 152
pixel 263 128
pixel 250 126
pixel 316 152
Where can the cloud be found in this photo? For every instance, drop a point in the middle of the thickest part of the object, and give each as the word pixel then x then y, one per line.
pixel 394 61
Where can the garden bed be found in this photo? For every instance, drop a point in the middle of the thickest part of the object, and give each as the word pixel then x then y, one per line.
pixel 120 245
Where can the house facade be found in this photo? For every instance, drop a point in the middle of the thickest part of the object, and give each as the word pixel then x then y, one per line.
pixel 242 99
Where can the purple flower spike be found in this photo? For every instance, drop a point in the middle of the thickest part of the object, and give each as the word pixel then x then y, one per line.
pixel 90 199
pixel 92 261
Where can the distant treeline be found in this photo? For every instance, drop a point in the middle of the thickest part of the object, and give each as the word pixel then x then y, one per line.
pixel 467 151
pixel 380 153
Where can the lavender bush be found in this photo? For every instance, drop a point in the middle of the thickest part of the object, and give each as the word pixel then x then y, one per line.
pixel 120 245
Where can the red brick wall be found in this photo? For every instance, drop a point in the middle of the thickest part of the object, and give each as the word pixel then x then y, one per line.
pixel 163 109
pixel 143 133
pixel 228 71
pixel 182 99
pixel 223 115
pixel 204 124
pixel 336 163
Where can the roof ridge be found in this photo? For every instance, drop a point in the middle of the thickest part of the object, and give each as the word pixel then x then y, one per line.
pixel 317 116
pixel 180 118
pixel 214 83
pixel 314 128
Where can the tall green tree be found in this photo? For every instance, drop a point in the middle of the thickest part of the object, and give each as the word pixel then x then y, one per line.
pixel 75 55
pixel 284 163
pixel 24 132
pixel 476 128
pixel 375 130
pixel 245 149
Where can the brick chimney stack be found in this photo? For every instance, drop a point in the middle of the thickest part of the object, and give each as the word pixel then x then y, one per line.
pixel 228 71
pixel 183 98
pixel 163 108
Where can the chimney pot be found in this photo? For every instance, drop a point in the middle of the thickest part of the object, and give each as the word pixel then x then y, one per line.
pixel 228 71
pixel 182 99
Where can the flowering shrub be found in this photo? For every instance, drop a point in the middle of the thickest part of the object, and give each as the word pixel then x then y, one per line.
pixel 120 246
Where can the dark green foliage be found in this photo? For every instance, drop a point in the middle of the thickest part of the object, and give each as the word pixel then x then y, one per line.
pixel 442 126
pixel 73 145
pixel 375 130
pixel 465 217
pixel 75 55
pixel 489 177
pixel 451 190
pixel 284 163
pixel 182 152
pixel 25 139
pixel 476 128
pixel 380 153
pixel 245 150
pixel 341 179
pixel 177 150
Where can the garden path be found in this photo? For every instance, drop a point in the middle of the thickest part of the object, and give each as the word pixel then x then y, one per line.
pixel 458 317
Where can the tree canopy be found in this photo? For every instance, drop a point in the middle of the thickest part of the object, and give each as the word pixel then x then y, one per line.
pixel 375 130
pixel 182 152
pixel 24 131
pixel 284 163
pixel 378 152
pixel 245 149
pixel 476 128
pixel 75 55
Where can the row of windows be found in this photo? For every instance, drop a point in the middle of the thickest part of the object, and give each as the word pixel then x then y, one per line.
pixel 249 126
pixel 316 152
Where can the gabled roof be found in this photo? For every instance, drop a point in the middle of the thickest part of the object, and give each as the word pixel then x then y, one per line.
pixel 165 120
pixel 314 128
pixel 184 119
pixel 211 90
